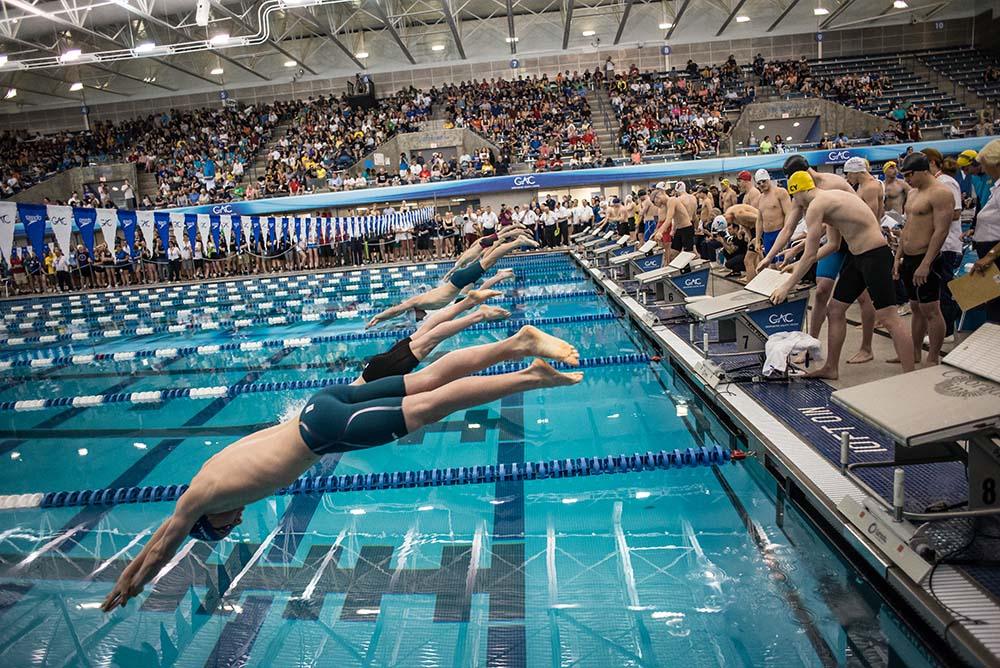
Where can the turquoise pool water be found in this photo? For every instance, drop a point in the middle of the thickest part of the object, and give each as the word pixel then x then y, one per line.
pixel 680 567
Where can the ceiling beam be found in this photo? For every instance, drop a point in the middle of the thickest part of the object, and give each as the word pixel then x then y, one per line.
pixel 677 19
pixel 835 14
pixel 246 26
pixel 569 20
pixel 621 24
pixel 380 14
pixel 38 92
pixel 732 15
pixel 320 31
pixel 510 26
pixel 782 15
pixel 450 18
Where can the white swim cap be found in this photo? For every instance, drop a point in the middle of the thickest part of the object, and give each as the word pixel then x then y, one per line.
pixel 680 187
pixel 855 165
pixel 761 175
pixel 662 185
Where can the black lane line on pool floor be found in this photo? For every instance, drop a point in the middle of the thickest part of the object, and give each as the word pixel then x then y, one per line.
pixel 795 604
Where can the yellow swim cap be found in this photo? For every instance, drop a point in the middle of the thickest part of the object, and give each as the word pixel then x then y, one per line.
pixel 800 182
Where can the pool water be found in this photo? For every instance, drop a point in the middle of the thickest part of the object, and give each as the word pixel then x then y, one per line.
pixel 678 567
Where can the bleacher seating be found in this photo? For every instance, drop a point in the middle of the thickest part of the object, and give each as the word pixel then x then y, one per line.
pixel 974 69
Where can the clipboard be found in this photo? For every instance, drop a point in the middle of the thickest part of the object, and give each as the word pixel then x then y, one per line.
pixel 972 290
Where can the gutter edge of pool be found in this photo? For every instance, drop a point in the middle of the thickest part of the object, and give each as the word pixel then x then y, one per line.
pixel 822 486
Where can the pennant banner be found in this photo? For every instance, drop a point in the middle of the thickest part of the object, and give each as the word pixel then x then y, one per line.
pixel 191 226
pixel 147 224
pixel 204 229
pixel 85 220
pixel 33 217
pixel 162 222
pixel 128 221
pixel 107 221
pixel 214 227
pixel 61 220
pixel 8 217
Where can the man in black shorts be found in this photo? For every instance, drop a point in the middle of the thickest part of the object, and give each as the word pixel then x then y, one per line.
pixel 407 353
pixel 868 265
pixel 676 218
pixel 929 210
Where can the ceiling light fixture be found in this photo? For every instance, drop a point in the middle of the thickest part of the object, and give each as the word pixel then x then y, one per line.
pixel 437 47
pixel 821 11
pixel 512 39
pixel 796 124
pixel 290 63
pixel 361 55
pixel 3 59
pixel 71 55
pixel 900 4
pixel 666 26
pixel 742 18
pixel 217 71
pixel 220 39
pixel 76 86
pixel 144 47
pixel 11 94
pixel 589 33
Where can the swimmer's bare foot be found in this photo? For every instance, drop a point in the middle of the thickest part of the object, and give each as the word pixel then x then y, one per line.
pixel 504 275
pixel 530 243
pixel 491 313
pixel 861 357
pixel 800 358
pixel 479 296
pixel 538 343
pixel 549 377
pixel 895 360
pixel 822 373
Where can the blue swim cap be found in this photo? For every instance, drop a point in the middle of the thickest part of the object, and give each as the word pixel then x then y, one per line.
pixel 203 530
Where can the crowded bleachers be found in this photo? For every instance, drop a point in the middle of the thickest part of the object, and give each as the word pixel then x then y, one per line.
pixel 536 120
pixel 677 114
pixel 974 69
pixel 27 159
pixel 326 135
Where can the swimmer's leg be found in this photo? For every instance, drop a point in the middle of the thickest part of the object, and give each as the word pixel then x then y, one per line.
pixel 498 251
pixel 864 353
pixel 434 298
pixel 502 275
pixel 470 254
pixel 429 407
pixel 423 346
pixel 528 342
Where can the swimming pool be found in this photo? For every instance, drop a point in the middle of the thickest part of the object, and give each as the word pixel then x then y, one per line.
pixel 694 566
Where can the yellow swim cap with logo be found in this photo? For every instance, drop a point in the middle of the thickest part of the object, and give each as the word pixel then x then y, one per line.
pixel 800 182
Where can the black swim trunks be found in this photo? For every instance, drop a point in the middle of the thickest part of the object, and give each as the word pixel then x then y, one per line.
pixel 397 361
pixel 683 239
pixel 341 418
pixel 624 227
pixel 930 291
pixel 872 271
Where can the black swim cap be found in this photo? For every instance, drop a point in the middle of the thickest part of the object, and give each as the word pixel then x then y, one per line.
pixel 795 163
pixel 204 531
pixel 915 162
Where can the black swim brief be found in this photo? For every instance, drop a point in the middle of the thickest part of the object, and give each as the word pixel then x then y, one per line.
pixel 341 418
pixel 930 291
pixel 872 271
pixel 397 361
pixel 467 275
pixel 683 239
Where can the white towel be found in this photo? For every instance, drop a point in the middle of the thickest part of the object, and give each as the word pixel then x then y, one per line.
pixel 781 346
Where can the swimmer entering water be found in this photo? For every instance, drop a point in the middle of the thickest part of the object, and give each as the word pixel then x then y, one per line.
pixel 340 418
pixel 446 292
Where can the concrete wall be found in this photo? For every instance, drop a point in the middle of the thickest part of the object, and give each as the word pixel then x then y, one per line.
pixel 889 39
pixel 832 117
pixel 62 185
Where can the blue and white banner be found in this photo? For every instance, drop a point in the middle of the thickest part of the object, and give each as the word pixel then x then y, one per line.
pixel 33 217
pixel 214 227
pixel 61 222
pixel 8 218
pixel 162 222
pixel 128 222
pixel 255 225
pixel 107 221
pixel 204 228
pixel 146 224
pixel 85 220
pixel 191 227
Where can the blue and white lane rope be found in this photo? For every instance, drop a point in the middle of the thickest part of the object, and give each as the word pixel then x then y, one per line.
pixel 437 477
pixel 237 323
pixel 299 342
pixel 217 391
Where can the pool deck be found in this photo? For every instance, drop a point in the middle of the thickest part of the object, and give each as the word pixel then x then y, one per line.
pixel 795 429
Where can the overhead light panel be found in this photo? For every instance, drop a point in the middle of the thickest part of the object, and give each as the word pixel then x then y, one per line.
pixel 217 71
pixel 11 94
pixel 3 59
pixel 742 18
pixel 666 26
pixel 290 63
pixel 220 39
pixel 71 55
pixel 589 33
pixel 821 11
pixel 361 55
pixel 144 47
pixel 512 39
pixel 437 47
pixel 76 86
pixel 900 4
